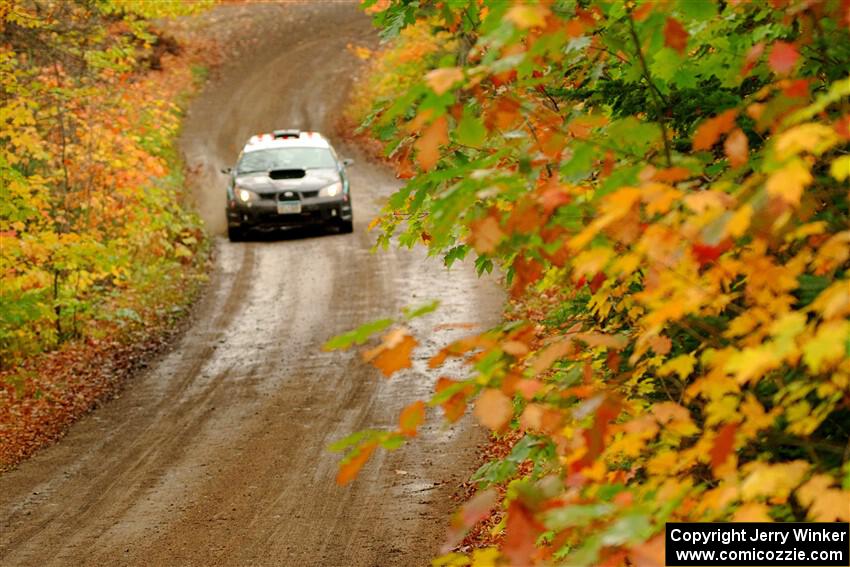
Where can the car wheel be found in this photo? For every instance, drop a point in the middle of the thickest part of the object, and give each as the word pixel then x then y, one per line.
pixel 346 226
pixel 235 233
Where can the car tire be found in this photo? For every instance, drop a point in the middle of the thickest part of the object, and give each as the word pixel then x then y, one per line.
pixel 346 226
pixel 235 234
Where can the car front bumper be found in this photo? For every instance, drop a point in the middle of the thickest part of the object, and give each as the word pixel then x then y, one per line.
pixel 264 215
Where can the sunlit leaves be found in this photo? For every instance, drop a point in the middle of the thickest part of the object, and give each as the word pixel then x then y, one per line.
pixel 393 353
pixel 668 205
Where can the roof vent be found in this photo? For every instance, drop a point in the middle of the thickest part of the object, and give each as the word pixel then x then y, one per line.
pixel 281 134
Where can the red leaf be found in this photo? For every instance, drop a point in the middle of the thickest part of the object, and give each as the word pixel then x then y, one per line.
pixel 475 510
pixel 783 56
pixel 724 443
pixel 526 272
pixel 596 282
pixel 675 35
pixel 706 253
pixel 411 417
pixel 521 532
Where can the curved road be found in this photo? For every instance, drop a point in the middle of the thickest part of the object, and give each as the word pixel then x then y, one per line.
pixel 216 455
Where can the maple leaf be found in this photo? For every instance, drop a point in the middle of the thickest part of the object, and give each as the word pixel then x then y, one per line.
pixel 455 405
pixel 825 503
pixel 352 464
pixel 411 417
pixel 783 57
pixel 393 353
pixel 493 409
pixel 737 148
pixel 441 80
pixel 775 481
pixel 752 56
pixel 788 182
pixel 526 272
pixel 724 443
pixel 710 131
pixel 521 531
pixel 473 511
pixel 526 16
pixel 485 235
pixel 675 35
pixel 428 144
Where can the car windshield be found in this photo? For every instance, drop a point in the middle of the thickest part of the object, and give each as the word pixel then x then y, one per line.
pixel 285 158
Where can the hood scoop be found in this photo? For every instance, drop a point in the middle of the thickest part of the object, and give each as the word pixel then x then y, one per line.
pixel 287 174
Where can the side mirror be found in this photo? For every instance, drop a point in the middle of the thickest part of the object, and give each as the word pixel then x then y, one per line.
pixel 226 170
pixel 347 162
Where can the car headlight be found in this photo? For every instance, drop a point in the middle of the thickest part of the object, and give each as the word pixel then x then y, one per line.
pixel 331 190
pixel 246 196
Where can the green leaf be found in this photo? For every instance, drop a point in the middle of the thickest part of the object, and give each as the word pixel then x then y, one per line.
pixel 358 336
pixel 470 130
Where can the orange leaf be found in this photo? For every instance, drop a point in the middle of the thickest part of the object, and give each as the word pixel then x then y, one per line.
pixel 783 56
pixel 411 417
pixel 521 532
pixel 349 468
pixel 723 446
pixel 494 409
pixel 441 80
pixel 428 144
pixel 393 353
pixel 671 175
pixel 485 235
pixel 710 131
pixel 675 36
pixel 737 148
pixel 455 406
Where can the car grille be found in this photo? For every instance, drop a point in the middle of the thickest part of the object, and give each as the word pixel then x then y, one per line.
pixel 295 195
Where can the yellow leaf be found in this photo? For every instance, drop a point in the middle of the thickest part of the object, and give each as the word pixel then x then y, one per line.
pixel 526 16
pixel 751 363
pixel 740 221
pixel 682 365
pixel 840 168
pixel 788 182
pixel 813 137
pixel 827 346
pixel 775 481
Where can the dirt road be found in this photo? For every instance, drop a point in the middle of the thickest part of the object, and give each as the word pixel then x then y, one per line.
pixel 216 455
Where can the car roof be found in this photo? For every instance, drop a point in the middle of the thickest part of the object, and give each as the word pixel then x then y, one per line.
pixel 286 139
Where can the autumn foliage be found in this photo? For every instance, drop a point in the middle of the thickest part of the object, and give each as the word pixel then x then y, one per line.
pixel 92 221
pixel 99 252
pixel 665 187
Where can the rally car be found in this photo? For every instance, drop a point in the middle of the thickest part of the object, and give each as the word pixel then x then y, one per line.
pixel 287 179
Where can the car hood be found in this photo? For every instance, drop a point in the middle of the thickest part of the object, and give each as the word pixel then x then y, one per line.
pixel 313 180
